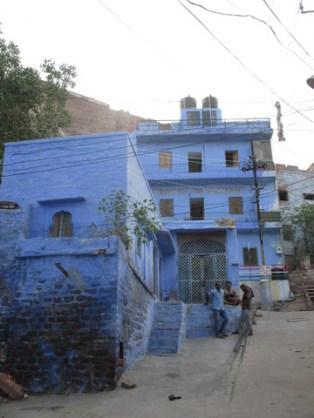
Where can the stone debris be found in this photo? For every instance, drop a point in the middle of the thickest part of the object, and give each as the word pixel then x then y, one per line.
pixel 173 397
pixel 12 389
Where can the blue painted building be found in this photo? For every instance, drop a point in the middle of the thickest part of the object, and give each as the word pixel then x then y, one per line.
pixel 76 307
pixel 205 174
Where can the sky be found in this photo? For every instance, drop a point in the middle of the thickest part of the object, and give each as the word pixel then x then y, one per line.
pixel 143 56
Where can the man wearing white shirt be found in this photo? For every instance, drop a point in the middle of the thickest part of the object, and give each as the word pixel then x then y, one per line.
pixel 217 299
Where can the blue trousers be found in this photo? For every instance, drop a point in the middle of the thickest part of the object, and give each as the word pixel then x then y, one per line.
pixel 220 314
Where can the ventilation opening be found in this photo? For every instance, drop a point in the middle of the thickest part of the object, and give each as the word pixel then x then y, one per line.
pixel 4 204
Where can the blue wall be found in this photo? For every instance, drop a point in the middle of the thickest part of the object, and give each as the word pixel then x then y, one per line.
pixel 215 184
pixel 75 311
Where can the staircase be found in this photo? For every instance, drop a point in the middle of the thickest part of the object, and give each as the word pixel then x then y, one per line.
pixel 168 331
pixel 173 321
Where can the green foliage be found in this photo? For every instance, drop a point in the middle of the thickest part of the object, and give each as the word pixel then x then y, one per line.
pixel 127 217
pixel 32 102
pixel 303 219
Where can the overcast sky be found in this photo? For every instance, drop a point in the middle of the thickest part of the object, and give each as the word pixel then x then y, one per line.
pixel 144 55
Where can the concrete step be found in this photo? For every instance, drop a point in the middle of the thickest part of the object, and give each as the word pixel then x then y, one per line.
pixel 200 323
pixel 168 330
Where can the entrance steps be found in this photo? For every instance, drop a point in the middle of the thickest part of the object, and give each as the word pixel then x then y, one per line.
pixel 175 321
pixel 168 331
pixel 200 321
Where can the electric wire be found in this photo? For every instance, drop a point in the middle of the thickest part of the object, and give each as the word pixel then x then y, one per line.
pixel 253 74
pixel 286 29
pixel 257 19
pixel 186 212
pixel 97 161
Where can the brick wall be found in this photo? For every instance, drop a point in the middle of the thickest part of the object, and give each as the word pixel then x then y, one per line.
pixel 60 329
pixel 135 311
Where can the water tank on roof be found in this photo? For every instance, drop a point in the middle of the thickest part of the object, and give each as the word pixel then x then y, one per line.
pixel 188 103
pixel 210 102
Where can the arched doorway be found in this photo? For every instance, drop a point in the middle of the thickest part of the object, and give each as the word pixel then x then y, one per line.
pixel 201 263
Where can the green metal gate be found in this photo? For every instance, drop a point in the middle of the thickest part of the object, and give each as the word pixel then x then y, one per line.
pixel 201 263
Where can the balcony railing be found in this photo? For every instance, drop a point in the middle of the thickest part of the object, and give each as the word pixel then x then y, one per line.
pixel 215 169
pixel 272 216
pixel 220 218
pixel 184 125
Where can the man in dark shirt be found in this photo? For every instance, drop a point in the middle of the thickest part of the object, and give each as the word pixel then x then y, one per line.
pixel 245 322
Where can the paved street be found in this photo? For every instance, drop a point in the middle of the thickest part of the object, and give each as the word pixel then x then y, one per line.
pixel 273 380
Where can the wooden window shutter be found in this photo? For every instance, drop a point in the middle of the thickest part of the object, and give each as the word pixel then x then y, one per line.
pixel 235 205
pixel 165 159
pixel 67 224
pixel 166 207
pixel 61 225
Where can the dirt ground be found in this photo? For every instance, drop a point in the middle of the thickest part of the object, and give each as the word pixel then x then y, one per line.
pixel 273 378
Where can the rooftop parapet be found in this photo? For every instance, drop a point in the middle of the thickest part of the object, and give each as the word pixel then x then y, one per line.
pixel 211 125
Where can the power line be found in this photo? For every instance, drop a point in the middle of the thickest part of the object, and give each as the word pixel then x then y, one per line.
pixel 209 207
pixel 246 199
pixel 111 158
pixel 253 74
pixel 258 20
pixel 286 29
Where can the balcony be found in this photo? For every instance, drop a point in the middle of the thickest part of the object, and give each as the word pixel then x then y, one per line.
pixel 272 216
pixel 217 220
pixel 212 220
pixel 218 173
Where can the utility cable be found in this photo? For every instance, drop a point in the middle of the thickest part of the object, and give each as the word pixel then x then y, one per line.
pixel 286 29
pixel 258 20
pixel 253 74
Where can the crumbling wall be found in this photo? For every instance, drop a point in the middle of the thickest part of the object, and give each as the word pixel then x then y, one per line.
pixel 60 329
pixel 11 228
pixel 135 311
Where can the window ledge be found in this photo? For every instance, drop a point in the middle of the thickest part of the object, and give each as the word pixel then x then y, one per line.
pixel 61 200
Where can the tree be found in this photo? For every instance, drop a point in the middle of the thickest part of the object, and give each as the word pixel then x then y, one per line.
pixel 128 218
pixel 32 102
pixel 303 219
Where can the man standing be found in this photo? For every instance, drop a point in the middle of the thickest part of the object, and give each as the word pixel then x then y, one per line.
pixel 245 322
pixel 231 296
pixel 217 298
